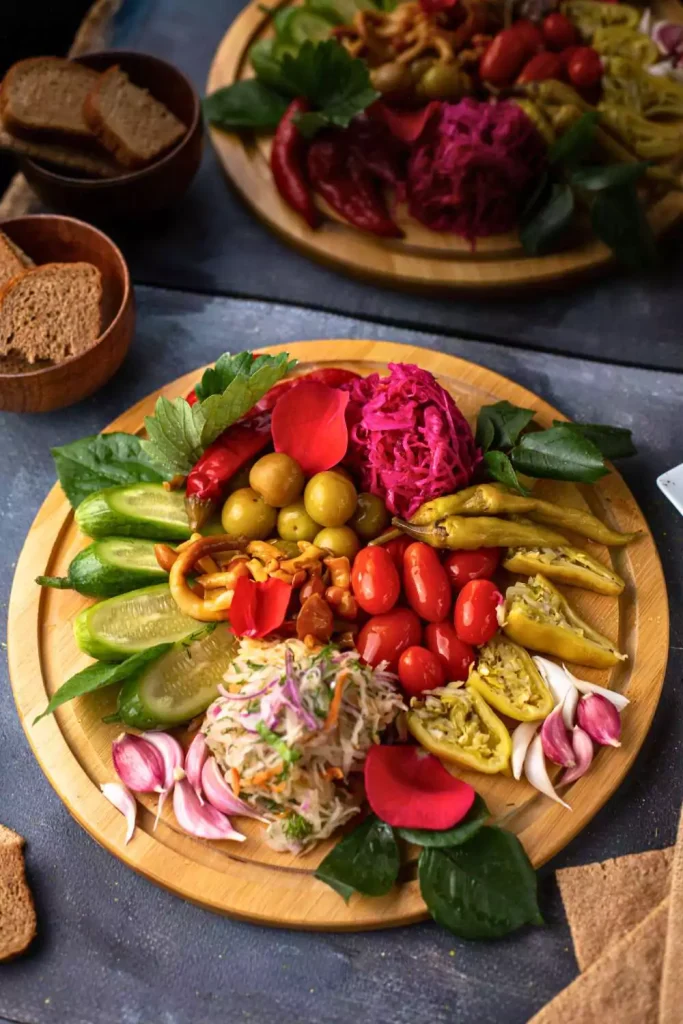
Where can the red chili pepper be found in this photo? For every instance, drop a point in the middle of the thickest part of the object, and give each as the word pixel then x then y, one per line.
pixel 343 181
pixel 259 608
pixel 287 164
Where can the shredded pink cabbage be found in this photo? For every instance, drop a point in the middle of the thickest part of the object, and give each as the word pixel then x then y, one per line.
pixel 408 441
pixel 472 166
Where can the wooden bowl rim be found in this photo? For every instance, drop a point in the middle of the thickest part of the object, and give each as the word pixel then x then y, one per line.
pixel 125 298
pixel 101 184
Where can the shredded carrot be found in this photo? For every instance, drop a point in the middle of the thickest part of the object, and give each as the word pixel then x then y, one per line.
pixel 334 773
pixel 280 788
pixel 235 781
pixel 265 776
pixel 335 705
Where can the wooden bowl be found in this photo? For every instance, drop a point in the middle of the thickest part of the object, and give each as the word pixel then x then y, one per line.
pixel 49 238
pixel 133 194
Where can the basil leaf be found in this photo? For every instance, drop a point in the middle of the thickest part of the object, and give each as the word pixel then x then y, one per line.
pixel 460 833
pixel 549 220
pixel 103 460
pixel 483 889
pixel 576 142
pixel 102 674
pixel 507 421
pixel 366 861
pixel 501 469
pixel 558 454
pixel 613 442
pixel 248 104
pixel 595 179
pixel 618 219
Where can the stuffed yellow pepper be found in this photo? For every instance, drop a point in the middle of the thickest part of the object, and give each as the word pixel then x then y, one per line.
pixel 566 565
pixel 508 680
pixel 456 724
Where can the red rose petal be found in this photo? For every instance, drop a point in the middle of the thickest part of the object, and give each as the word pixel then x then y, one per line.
pixel 259 608
pixel 405 125
pixel 409 788
pixel 309 424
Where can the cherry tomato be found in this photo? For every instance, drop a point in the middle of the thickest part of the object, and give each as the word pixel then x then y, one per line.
pixel 456 656
pixel 375 581
pixel 420 669
pixel 504 58
pixel 463 566
pixel 540 68
pixel 397 549
pixel 475 611
pixel 425 583
pixel 558 31
pixel 567 55
pixel 385 637
pixel 531 34
pixel 585 68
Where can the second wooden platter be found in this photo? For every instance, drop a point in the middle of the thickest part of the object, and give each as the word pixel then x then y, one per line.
pixel 423 258
pixel 249 880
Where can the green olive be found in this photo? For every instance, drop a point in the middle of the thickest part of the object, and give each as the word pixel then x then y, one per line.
pixel 391 77
pixel 294 523
pixel 278 478
pixel 246 514
pixel 339 540
pixel 370 518
pixel 420 67
pixel 330 499
pixel 442 82
pixel 290 548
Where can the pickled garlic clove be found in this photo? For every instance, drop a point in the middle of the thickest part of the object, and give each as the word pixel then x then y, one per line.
pixel 555 738
pixel 537 773
pixel 600 719
pixel 195 759
pixel 583 753
pixel 200 820
pixel 220 795
pixel 138 764
pixel 173 756
pixel 124 801
pixel 521 738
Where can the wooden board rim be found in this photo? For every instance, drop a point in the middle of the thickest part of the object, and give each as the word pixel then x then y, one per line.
pixel 239 891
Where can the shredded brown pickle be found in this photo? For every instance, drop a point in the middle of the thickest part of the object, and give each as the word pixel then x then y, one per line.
pixel 450 716
pixel 501 664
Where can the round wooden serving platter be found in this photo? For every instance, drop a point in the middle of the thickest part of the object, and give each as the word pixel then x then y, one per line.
pixel 423 258
pixel 249 880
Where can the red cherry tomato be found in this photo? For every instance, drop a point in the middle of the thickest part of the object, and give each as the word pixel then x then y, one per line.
pixel 531 34
pixel 558 31
pixel 425 583
pixel 585 68
pixel 504 58
pixel 385 637
pixel 540 68
pixel 475 612
pixel 397 549
pixel 567 55
pixel 420 669
pixel 456 656
pixel 463 566
pixel 375 581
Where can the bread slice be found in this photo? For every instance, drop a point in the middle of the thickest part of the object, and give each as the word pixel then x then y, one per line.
pixel 26 261
pixel 45 96
pixel 11 262
pixel 51 312
pixel 17 911
pixel 71 157
pixel 129 122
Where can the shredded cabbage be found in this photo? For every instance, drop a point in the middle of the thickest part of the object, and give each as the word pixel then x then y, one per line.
pixel 408 441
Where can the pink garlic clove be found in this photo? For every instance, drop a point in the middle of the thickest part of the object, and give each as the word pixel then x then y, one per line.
pixel 583 752
pixel 600 719
pixel 555 739
pixel 138 764
pixel 537 773
pixel 220 795
pixel 173 756
pixel 201 820
pixel 123 801
pixel 195 759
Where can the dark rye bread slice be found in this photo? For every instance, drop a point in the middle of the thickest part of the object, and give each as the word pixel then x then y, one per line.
pixel 12 260
pixel 70 158
pixel 45 96
pixel 17 912
pixel 129 122
pixel 51 312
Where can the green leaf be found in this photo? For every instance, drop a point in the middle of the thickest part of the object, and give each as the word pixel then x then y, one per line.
pixel 507 421
pixel 595 179
pixel 619 221
pixel 217 378
pixel 92 463
pixel 483 889
pixel 559 453
pixel 501 469
pixel 268 68
pixel 547 222
pixel 366 861
pixel 460 833
pixel 175 435
pixel 221 410
pixel 102 674
pixel 613 442
pixel 248 104
pixel 576 142
pixel 336 85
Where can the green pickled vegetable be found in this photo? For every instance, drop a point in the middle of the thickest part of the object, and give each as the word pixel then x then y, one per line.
pixel 113 565
pixel 137 510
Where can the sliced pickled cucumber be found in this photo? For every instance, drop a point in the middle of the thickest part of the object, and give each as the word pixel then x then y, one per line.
pixel 180 684
pixel 136 510
pixel 114 629
pixel 110 566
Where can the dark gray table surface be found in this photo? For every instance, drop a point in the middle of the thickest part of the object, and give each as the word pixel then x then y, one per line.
pixel 114 949
pixel 212 243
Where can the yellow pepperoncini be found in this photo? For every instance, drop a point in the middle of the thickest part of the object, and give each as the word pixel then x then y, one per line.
pixel 628 85
pixel 621 40
pixel 508 680
pixel 456 724
pixel 567 565
pixel 647 139
pixel 588 15
pixel 467 533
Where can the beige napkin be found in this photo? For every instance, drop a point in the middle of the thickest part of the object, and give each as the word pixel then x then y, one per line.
pixel 671 995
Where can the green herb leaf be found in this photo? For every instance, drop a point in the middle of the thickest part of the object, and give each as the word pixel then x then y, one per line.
pixel 220 410
pixel 613 442
pixel 288 754
pixel 576 142
pixel 460 833
pixel 248 104
pixel 595 179
pixel 102 674
pixel 365 861
pixel 501 469
pixel 88 465
pixel 548 220
pixel 507 420
pixel 336 85
pixel 559 454
pixel 175 435
pixel 268 68
pixel 483 889
pixel 619 220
